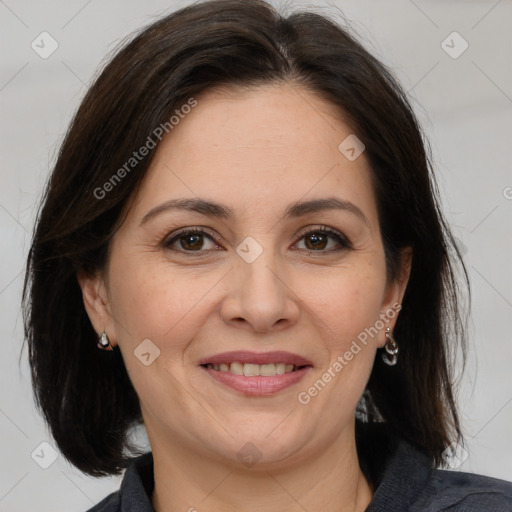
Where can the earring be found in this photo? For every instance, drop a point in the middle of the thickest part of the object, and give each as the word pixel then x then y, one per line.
pixel 104 342
pixel 391 347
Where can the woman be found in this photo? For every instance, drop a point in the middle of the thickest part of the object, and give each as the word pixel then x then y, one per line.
pixel 241 247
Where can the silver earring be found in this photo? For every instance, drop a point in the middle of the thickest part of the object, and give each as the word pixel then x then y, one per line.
pixel 391 349
pixel 104 342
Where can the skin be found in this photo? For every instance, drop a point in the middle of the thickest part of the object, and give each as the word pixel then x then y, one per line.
pixel 256 151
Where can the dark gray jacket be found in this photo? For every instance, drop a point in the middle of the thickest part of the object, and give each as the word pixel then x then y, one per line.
pixel 407 483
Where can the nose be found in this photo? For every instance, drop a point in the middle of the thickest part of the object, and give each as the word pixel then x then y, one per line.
pixel 259 297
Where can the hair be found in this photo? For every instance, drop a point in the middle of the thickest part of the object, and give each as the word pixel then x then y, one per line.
pixel 84 394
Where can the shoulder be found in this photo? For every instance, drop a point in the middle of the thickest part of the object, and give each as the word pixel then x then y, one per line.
pixel 112 503
pixel 135 491
pixel 409 482
pixel 456 491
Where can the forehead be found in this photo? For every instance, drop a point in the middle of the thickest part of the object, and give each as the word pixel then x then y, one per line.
pixel 256 150
pixel 259 128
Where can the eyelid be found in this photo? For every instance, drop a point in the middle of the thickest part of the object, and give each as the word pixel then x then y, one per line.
pixel 200 230
pixel 341 239
pixel 334 233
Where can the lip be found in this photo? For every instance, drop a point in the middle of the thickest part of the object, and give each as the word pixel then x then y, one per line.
pixel 244 356
pixel 258 386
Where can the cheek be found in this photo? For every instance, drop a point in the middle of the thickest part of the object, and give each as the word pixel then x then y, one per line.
pixel 348 309
pixel 157 303
pixel 348 300
pixel 154 300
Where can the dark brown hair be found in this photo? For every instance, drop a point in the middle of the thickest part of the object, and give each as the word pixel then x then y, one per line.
pixel 85 394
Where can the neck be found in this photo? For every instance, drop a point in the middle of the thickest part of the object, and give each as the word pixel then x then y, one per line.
pixel 190 481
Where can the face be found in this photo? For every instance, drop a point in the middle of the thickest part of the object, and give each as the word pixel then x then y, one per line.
pixel 202 297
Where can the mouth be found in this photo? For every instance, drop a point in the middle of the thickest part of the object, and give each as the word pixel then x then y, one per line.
pixel 252 373
pixel 254 370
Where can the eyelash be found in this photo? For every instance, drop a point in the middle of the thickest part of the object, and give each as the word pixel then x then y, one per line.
pixel 341 240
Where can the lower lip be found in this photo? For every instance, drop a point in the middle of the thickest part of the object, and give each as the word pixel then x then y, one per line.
pixel 258 385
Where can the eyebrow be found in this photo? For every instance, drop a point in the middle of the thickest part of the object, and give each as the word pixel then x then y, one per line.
pixel 220 211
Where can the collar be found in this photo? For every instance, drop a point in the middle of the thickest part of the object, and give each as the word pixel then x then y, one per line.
pixel 137 485
pixel 406 464
pixel 404 475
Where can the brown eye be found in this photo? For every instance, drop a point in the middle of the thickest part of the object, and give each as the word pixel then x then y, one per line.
pixel 317 240
pixel 191 240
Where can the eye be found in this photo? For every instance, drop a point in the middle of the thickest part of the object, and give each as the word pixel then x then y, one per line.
pixel 317 240
pixel 189 240
pixel 193 240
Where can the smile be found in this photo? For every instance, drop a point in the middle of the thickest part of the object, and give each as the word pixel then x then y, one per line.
pixel 254 370
pixel 253 373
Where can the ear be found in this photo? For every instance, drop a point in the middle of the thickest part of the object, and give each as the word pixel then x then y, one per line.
pixel 394 294
pixel 97 305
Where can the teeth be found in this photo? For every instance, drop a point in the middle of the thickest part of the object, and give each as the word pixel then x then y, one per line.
pixel 268 369
pixel 253 370
pixel 280 368
pixel 237 368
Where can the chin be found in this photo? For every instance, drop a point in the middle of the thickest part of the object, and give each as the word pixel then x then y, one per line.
pixel 271 445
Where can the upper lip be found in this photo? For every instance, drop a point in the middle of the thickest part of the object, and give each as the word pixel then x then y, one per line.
pixel 241 356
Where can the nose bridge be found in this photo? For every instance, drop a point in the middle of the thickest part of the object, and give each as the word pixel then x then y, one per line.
pixel 259 294
pixel 263 275
pixel 258 267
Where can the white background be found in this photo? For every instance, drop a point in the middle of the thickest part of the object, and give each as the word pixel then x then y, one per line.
pixel 464 104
